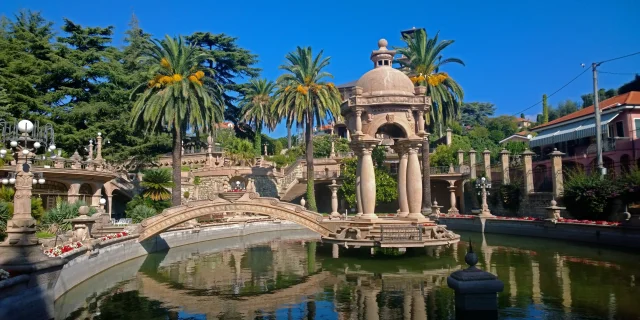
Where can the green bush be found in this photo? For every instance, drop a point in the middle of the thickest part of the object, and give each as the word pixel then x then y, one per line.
pixel 137 200
pixel 509 196
pixel 140 213
pixel 5 215
pixel 386 186
pixel 587 195
pixel 64 210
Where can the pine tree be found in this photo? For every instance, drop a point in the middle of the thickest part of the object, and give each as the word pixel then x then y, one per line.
pixel 545 109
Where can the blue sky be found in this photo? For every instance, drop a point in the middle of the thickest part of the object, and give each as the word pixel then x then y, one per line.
pixel 514 50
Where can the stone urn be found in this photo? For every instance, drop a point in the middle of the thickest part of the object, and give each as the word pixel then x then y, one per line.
pixel 303 202
pixel 232 196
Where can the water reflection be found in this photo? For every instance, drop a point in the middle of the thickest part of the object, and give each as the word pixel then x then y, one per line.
pixel 297 278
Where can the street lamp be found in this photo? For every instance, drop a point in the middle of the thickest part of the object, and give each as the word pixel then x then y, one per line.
pixel 24 140
pixel 483 184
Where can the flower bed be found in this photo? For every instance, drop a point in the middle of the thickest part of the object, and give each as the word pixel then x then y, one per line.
pixel 62 249
pixel 570 221
pixel 4 275
pixel 114 236
pixel 463 216
pixel 592 222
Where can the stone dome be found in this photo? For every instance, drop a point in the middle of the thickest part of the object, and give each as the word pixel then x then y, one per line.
pixel 384 79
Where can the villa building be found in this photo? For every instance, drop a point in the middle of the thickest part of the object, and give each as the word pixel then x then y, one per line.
pixel 575 135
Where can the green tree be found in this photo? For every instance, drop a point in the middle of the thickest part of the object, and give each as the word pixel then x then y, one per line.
pixel 322 145
pixel 476 113
pixel 256 109
pixel 156 184
pixel 545 109
pixel 423 63
pixel 386 185
pixel 309 100
pixel 633 85
pixel 502 127
pixel 176 99
pixel 603 94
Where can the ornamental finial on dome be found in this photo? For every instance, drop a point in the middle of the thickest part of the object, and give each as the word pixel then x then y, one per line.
pixel 382 57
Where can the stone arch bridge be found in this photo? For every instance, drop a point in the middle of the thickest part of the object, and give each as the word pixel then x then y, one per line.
pixel 233 202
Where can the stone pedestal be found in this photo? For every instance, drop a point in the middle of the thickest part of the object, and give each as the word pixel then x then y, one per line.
pixel 335 215
pixel 452 192
pixel 82 225
pixel 553 211
pixel 435 209
pixel 475 290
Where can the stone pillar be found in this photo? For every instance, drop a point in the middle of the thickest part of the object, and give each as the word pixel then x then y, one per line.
pixel 95 198
pixel 504 161
pixel 371 304
pixel 452 191
pixel 556 171
pixel 209 151
pixel 334 200
pixel 333 145
pixel 110 204
pixel 99 146
pixel 368 180
pixel 472 163
pixel 90 150
pixel 460 157
pixel 487 164
pixel 528 171
pixel 426 176
pixel 420 123
pixel 358 182
pixel 73 193
pixel 21 228
pixel 348 135
pixel 418 307
pixel 414 181
pixel 402 181
pixel 359 122
pixel 449 136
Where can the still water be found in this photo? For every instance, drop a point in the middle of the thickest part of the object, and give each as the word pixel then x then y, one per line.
pixel 292 276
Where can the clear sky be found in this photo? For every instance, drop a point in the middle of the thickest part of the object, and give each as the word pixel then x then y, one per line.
pixel 514 51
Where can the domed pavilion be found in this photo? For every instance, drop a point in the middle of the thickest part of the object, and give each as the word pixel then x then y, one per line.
pixel 385 104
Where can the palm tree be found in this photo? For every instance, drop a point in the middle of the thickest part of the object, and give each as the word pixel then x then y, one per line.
pixel 156 184
pixel 423 60
pixel 306 98
pixel 282 111
pixel 176 99
pixel 255 107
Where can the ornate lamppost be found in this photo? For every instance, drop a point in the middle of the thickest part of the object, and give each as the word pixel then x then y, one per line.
pixel 24 139
pixel 483 184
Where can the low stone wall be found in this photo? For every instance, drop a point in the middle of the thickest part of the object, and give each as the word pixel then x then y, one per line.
pixel 82 266
pixel 606 235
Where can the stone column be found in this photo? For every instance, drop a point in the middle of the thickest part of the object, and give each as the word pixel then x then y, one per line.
pixel 73 193
pixel 21 228
pixel 358 182
pixel 348 135
pixel 414 181
pixel 452 191
pixel 426 177
pixel 334 200
pixel 95 198
pixel 371 305
pixel 368 180
pixel 449 136
pixel 402 181
pixel 90 150
pixel 556 171
pixel 110 204
pixel 418 307
pixel 209 151
pixel 528 171
pixel 504 161
pixel 487 164
pixel 460 157
pixel 359 122
pixel 99 145
pixel 333 145
pixel 472 163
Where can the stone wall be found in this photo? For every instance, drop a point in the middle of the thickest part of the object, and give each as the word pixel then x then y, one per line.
pixel 602 235
pixel 210 185
pixel 266 186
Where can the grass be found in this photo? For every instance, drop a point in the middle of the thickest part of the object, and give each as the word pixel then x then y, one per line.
pixel 44 234
pixel 185 168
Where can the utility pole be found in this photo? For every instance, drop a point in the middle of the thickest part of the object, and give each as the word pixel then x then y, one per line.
pixel 596 108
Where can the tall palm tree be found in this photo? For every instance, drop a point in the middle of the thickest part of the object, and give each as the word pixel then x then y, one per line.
pixel 255 107
pixel 307 99
pixel 423 60
pixel 176 99
pixel 155 184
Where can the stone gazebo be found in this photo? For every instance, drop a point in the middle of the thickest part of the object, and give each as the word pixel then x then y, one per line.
pixel 385 104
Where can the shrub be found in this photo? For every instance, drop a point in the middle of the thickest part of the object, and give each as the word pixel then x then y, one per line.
pixel 140 213
pixel 509 196
pixel 137 200
pixel 64 210
pixel 587 195
pixel 5 215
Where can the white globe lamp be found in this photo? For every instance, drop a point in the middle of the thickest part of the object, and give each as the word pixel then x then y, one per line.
pixel 103 201
pixel 25 152
pixel 13 144
pixel 25 126
pixel 34 181
pixel 52 147
pixel 41 181
pixel 37 145
pixel 5 181
pixel 12 180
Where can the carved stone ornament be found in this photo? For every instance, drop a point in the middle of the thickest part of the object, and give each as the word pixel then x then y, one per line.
pixel 213 196
pixel 369 116
pixel 319 218
pixel 253 195
pixel 298 209
pixel 274 202
pixel 391 118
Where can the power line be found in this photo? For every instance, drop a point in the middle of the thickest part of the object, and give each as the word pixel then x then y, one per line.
pixel 552 94
pixel 618 58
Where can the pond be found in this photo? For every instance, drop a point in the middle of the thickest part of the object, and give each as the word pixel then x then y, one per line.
pixel 293 276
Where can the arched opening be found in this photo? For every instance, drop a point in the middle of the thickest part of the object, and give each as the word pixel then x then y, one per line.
pixel 237 183
pixel 390 131
pixel 51 192
pixel 85 192
pixel 118 204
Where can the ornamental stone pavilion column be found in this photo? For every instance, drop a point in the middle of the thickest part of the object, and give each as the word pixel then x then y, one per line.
pixel 402 180
pixel 472 163
pixel 556 170
pixel 414 180
pixel 368 179
pixel 90 156
pixel 452 191
pixel 460 157
pixel 528 171
pixel 99 145
pixel 21 228
pixel 504 161
pixel 487 163
pixel 334 200
pixel 358 154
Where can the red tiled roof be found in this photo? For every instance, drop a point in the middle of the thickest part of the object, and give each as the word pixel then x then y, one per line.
pixel 629 98
pixel 521 120
pixel 522 133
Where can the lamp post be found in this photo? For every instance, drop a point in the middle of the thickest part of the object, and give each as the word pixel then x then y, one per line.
pixel 483 184
pixel 24 139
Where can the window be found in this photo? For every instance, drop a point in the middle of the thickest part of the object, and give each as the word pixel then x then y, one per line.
pixel 379 62
pixel 619 129
pixel 386 62
pixel 637 124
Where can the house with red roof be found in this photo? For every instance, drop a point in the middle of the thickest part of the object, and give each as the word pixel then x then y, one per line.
pixel 575 135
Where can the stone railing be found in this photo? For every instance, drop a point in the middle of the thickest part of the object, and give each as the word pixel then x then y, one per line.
pixel 97 166
pixel 291 175
pixel 450 170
